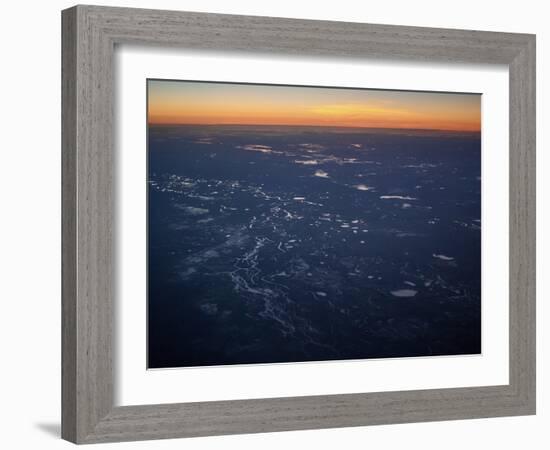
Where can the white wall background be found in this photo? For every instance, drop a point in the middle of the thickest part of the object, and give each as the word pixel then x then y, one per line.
pixel 30 223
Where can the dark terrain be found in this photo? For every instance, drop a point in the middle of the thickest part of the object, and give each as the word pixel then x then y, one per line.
pixel 280 244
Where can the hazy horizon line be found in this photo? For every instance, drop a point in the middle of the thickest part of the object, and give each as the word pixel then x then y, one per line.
pixel 308 126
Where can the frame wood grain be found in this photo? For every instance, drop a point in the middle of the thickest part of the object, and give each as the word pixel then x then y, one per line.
pixel 90 34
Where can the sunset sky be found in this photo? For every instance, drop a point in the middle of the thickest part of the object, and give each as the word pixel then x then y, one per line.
pixel 184 102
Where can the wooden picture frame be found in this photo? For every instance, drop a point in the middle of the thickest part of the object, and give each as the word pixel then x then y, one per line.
pixel 90 34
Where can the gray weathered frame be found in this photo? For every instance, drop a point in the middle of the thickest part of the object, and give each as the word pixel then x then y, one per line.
pixel 89 36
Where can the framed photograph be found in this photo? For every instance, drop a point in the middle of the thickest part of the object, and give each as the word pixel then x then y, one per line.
pixel 278 224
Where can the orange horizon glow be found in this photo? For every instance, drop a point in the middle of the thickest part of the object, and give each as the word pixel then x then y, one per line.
pixel 202 103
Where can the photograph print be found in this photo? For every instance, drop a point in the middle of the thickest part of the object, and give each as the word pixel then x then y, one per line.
pixel 291 224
